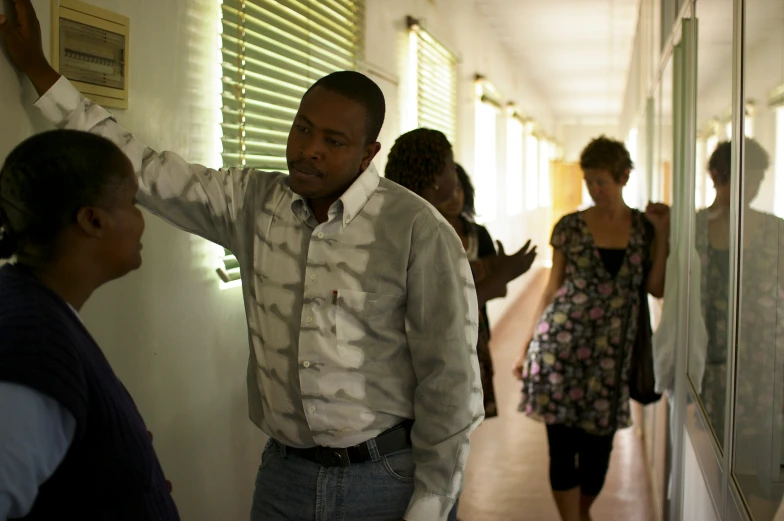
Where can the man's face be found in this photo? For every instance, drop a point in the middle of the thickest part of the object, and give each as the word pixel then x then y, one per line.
pixel 327 147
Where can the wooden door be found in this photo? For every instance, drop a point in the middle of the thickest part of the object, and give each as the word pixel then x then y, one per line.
pixel 667 180
pixel 567 189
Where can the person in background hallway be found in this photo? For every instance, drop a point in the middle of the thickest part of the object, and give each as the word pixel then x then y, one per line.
pixel 761 338
pixel 416 162
pixel 423 162
pixel 460 212
pixel 574 368
pixel 361 308
pixel 72 443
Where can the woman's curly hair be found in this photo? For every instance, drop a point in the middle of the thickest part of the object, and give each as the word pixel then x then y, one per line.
pixel 416 158
pixel 607 154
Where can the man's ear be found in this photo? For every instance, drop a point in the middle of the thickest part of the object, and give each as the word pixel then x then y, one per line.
pixel 370 152
pixel 92 221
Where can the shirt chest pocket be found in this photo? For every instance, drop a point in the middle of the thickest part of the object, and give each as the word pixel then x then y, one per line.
pixel 369 327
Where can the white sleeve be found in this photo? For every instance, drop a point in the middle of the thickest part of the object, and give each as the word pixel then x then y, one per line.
pixel 197 199
pixel 35 435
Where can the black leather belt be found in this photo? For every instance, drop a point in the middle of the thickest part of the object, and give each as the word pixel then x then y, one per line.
pixel 395 439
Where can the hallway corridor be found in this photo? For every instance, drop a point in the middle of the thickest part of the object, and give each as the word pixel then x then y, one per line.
pixel 507 474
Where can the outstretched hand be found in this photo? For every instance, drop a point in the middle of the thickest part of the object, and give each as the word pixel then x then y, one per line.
pixel 509 267
pixel 21 36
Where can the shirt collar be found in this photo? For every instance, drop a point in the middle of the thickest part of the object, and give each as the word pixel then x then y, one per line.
pixel 350 203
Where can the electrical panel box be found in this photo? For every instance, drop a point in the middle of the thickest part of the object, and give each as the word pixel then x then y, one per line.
pixel 90 48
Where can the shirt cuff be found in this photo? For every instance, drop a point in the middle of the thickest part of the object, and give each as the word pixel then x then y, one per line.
pixel 59 101
pixel 425 506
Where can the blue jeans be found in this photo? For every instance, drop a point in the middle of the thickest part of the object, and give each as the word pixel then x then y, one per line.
pixel 289 488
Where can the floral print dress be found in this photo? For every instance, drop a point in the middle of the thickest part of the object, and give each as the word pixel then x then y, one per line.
pixel 576 371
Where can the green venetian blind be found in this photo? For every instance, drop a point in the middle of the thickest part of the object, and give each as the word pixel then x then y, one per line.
pixel 436 82
pixel 229 268
pixel 273 50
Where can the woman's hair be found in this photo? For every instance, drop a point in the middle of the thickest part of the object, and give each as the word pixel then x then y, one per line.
pixel 721 159
pixel 416 158
pixel 469 210
pixel 607 154
pixel 45 181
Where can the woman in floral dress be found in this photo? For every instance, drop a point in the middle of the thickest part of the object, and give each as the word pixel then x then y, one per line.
pixel 420 160
pixel 575 367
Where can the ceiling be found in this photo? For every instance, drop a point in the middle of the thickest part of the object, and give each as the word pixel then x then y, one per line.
pixel 576 53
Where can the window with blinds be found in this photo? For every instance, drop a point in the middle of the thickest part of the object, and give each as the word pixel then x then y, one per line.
pixel 515 167
pixel 272 51
pixel 435 69
pixel 229 268
pixel 486 112
pixel 531 168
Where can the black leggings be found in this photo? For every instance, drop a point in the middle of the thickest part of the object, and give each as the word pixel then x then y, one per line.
pixel 578 459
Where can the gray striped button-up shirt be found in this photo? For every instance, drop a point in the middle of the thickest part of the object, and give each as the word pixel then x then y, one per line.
pixel 355 324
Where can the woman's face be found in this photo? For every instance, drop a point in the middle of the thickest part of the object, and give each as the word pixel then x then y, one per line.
pixel 443 188
pixel 454 206
pixel 603 188
pixel 121 243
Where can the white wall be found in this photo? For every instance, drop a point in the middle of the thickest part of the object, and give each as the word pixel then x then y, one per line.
pixel 176 340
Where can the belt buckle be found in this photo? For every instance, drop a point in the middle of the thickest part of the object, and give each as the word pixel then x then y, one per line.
pixel 337 458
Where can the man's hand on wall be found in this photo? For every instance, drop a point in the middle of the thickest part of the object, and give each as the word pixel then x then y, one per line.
pixel 21 35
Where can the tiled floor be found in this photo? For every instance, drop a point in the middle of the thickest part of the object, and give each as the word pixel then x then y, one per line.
pixel 507 476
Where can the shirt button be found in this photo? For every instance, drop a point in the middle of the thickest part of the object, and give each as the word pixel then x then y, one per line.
pixel 306 364
pixel 312 277
pixel 311 409
pixel 310 319
pixel 347 220
pixel 320 235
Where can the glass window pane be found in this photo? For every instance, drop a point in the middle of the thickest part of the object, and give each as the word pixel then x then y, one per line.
pixel 661 176
pixel 531 171
pixel 545 156
pixel 709 334
pixel 514 166
pixel 485 164
pixel 778 159
pixel 632 192
pixel 757 465
pixel 667 9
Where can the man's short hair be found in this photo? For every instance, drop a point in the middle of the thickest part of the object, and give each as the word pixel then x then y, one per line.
pixel 361 89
